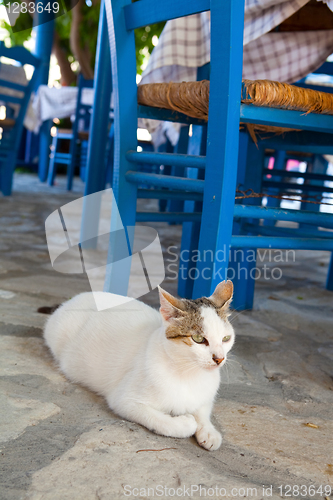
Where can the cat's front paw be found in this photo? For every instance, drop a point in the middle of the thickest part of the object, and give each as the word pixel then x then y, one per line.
pixel 208 437
pixel 183 426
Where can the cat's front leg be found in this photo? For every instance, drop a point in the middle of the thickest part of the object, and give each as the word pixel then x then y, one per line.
pixel 207 436
pixel 181 426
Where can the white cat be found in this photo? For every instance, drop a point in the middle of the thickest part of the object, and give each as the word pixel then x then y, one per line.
pixel 158 369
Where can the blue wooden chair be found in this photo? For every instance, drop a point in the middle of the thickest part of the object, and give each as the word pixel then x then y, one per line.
pixel 218 166
pixel 78 135
pixel 12 127
pixel 221 161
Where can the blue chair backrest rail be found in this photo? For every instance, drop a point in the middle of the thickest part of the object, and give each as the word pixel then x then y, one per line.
pixel 11 135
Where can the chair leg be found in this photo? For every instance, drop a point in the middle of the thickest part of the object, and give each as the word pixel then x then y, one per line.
pixel 109 164
pixel 165 148
pixel 191 230
pixel 71 166
pixel 180 148
pixel 7 172
pixel 317 166
pixel 222 146
pixel 329 282
pixel 242 266
pixel 280 163
pixel 52 166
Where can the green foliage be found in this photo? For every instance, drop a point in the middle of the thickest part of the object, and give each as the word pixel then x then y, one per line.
pixel 88 32
pixel 23 27
pixel 144 43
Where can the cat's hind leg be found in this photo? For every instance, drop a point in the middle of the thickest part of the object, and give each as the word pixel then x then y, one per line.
pixel 181 426
pixel 207 436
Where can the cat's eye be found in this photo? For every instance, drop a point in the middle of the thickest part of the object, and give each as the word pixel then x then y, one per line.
pixel 199 339
pixel 226 338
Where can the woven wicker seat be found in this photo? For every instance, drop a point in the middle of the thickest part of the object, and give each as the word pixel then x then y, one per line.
pixel 192 98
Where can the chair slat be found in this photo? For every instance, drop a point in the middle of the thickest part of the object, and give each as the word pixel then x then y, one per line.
pixel 286 231
pixel 19 54
pixel 179 160
pixel 165 181
pixel 161 194
pixel 281 243
pixel 297 187
pixel 12 85
pixel 286 118
pixel 257 212
pixel 304 175
pixel 147 12
pixel 10 98
pixel 178 218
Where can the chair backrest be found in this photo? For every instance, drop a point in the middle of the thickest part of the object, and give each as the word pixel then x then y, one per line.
pixel 83 111
pixel 227 19
pixel 22 93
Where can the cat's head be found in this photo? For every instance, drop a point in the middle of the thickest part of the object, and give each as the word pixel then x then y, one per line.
pixel 200 328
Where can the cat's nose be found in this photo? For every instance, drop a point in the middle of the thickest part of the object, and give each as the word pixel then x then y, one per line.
pixel 218 361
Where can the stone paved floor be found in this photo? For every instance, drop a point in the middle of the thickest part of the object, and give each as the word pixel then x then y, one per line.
pixel 59 441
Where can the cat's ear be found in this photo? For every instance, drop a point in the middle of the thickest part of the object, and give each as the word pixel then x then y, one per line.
pixel 222 295
pixel 171 307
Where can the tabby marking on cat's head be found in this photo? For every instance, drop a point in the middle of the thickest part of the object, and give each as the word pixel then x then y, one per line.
pixel 201 324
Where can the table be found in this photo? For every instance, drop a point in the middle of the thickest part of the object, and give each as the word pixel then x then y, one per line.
pixel 53 102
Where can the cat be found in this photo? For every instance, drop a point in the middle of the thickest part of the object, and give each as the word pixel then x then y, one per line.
pixel 158 369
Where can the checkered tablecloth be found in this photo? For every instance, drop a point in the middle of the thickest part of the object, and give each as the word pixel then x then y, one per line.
pixel 184 45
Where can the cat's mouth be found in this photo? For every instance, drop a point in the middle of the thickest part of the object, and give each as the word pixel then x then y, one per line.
pixel 215 365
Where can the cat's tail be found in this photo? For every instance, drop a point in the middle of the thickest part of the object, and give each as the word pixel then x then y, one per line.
pixel 47 309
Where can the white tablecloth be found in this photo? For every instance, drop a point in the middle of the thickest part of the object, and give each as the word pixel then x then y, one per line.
pixel 52 102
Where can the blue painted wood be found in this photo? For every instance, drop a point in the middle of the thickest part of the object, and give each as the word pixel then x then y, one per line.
pixel 280 164
pixel 286 231
pixel 123 62
pixel 179 160
pixel 196 186
pixel 98 137
pixel 9 144
pixel 286 118
pixel 162 194
pixel 191 230
pixel 284 214
pixel 325 69
pixel 222 142
pixel 43 47
pixel 282 243
pixel 303 175
pixel 179 171
pixel 150 11
pixel 303 141
pixel 12 85
pixel 329 282
pixel 168 217
pixel 82 114
pixel 10 99
pixel 242 265
pixel 297 187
